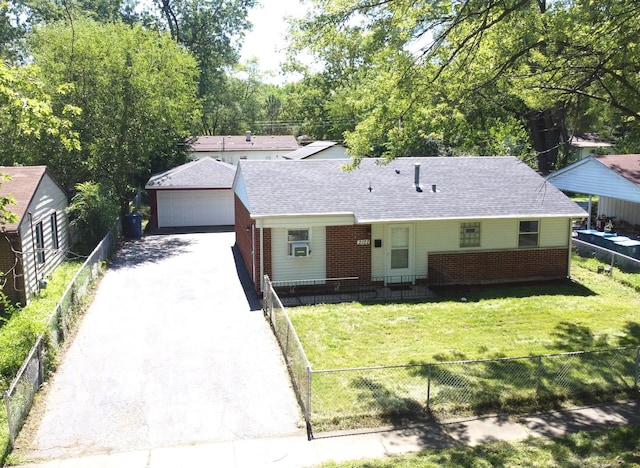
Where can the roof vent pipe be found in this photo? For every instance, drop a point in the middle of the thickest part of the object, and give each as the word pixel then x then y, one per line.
pixel 434 188
pixel 417 174
pixel 248 136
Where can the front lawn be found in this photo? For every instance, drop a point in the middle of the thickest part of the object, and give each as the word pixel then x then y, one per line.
pixel 594 311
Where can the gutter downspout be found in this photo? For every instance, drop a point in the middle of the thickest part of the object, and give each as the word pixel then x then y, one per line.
pixel 261 259
pixel 253 251
pixel 35 253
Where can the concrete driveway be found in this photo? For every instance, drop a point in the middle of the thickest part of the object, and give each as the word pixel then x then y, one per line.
pixel 171 352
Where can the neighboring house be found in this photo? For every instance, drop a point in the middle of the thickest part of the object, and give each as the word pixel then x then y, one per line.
pixel 588 145
pixel 615 179
pixel 233 148
pixel 437 220
pixel 195 194
pixel 34 245
pixel 319 150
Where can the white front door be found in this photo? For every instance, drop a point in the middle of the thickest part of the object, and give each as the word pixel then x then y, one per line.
pixel 400 255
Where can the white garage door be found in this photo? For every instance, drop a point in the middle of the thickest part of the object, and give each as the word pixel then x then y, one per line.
pixel 178 208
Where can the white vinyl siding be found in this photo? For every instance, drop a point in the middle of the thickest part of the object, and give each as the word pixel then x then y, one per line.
pixel 48 199
pixel 444 236
pixel 622 210
pixel 180 208
pixel 288 268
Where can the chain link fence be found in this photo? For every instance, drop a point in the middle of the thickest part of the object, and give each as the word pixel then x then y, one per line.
pixel 292 350
pixel 609 258
pixel 21 392
pixel 370 396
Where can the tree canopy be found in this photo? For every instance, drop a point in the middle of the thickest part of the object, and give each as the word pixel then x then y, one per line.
pixel 481 72
pixel 136 89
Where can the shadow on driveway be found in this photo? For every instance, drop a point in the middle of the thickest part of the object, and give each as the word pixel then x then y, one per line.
pixel 150 249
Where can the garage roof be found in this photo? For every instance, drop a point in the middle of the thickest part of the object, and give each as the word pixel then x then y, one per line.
pixel 204 173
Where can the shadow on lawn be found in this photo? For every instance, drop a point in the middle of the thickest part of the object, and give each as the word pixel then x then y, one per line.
pixel 571 337
pixel 478 292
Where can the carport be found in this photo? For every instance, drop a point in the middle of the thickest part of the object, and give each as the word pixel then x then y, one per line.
pixel 615 179
pixel 197 193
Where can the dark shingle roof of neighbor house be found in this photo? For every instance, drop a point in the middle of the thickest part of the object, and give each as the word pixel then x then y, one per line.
pixel 22 187
pixel 228 143
pixel 466 188
pixel 626 165
pixel 310 149
pixel 205 173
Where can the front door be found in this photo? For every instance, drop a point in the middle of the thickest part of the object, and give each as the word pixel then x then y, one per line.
pixel 400 255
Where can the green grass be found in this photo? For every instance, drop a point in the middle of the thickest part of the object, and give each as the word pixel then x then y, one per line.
pixel 20 332
pixel 600 448
pixel 594 311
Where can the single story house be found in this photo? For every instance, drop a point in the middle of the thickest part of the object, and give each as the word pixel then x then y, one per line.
pixel 195 194
pixel 588 145
pixel 614 178
pixel 233 148
pixel 319 150
pixel 438 220
pixel 38 241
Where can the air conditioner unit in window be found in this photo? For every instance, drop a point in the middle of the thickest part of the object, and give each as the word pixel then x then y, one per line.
pixel 300 249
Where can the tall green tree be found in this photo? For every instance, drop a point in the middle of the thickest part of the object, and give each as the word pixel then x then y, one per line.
pixel 533 62
pixel 212 30
pixel 136 89
pixel 29 119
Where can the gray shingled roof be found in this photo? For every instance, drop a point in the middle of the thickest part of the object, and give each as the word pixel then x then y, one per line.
pixel 466 187
pixel 204 173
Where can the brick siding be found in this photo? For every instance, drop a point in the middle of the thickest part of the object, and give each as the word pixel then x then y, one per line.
pixel 498 266
pixel 14 278
pixel 344 257
pixel 244 240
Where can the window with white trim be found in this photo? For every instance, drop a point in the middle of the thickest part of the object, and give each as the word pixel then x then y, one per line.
pixel 470 234
pixel 54 231
pixel 298 242
pixel 528 233
pixel 40 243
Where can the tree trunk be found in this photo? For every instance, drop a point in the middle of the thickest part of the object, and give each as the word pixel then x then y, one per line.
pixel 545 128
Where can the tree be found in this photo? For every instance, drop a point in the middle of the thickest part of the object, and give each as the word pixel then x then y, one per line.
pixel 527 61
pixel 211 30
pixel 136 89
pixel 28 116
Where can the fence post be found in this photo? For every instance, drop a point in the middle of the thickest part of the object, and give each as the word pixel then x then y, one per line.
pixel 538 375
pixel 428 388
pixel 307 410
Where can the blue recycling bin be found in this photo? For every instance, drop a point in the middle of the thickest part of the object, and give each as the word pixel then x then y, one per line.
pixel 133 225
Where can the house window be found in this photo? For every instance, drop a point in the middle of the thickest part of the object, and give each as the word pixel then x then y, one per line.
pixel 54 231
pixel 528 234
pixel 298 242
pixel 39 243
pixel 469 234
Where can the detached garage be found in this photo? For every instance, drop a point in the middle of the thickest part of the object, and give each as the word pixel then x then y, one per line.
pixel 196 194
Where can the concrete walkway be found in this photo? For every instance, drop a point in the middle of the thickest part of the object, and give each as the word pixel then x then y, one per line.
pixel 297 451
pixel 172 351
